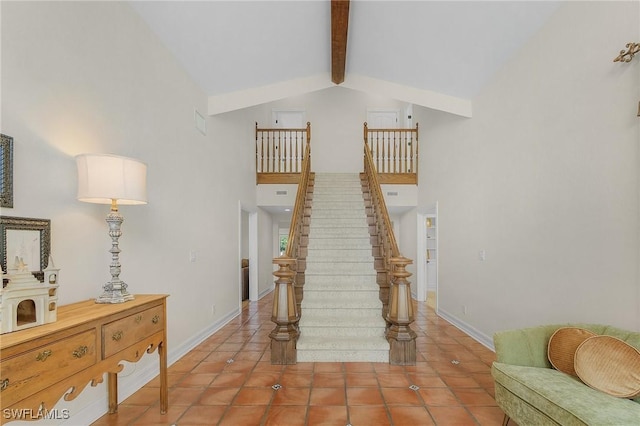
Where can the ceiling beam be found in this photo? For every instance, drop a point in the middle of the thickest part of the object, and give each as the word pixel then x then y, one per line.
pixel 339 27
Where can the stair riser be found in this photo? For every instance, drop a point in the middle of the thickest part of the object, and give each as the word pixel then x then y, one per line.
pixel 343 332
pixel 343 356
pixel 333 214
pixel 343 281
pixel 341 313
pixel 344 269
pixel 336 233
pixel 341 295
pixel 344 243
pixel 337 255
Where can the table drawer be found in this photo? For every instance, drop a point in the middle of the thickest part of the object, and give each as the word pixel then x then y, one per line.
pixel 121 334
pixel 27 373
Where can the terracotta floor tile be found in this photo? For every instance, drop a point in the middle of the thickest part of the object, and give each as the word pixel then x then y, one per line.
pixel 254 396
pixel 145 396
pixel 243 415
pixel 230 347
pixel 328 367
pixel 410 416
pixel 219 356
pixel 249 356
pixel 456 382
pixel 438 397
pixel 182 365
pixel 361 380
pixel 358 367
pixel 217 396
pixel 229 380
pixel 327 416
pixel 426 381
pixel 291 396
pixel 451 416
pixel 196 380
pixel 301 366
pixel 364 396
pixel 474 396
pixel 184 396
pixel 327 396
pixel 202 415
pixel 209 367
pixel 153 417
pixel 488 416
pixel 240 367
pixel 400 396
pixel 125 415
pixel 263 379
pixel 393 380
pixel 328 380
pixel 296 379
pixel 286 416
pixel 372 415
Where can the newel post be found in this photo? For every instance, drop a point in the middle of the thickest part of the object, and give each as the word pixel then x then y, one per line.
pixel 400 336
pixel 285 314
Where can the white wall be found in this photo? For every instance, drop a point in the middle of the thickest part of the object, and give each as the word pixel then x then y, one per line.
pixel 545 178
pixel 90 77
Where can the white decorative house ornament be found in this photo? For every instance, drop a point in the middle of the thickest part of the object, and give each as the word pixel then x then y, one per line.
pixel 26 302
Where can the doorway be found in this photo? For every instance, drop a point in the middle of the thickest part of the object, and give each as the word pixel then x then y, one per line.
pixel 247 255
pixel 427 268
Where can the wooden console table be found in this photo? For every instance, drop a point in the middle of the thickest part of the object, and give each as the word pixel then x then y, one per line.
pixel 40 365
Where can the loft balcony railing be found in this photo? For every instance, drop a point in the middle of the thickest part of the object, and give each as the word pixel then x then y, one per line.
pixel 279 154
pixel 394 153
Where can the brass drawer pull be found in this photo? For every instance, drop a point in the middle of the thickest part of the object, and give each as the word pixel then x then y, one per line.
pixel 80 352
pixel 117 335
pixel 155 319
pixel 42 356
pixel 138 319
pixel 4 384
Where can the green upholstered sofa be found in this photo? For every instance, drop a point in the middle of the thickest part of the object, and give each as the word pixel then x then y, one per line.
pixel 531 392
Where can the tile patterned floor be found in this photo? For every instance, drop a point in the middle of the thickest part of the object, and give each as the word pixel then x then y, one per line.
pixel 228 380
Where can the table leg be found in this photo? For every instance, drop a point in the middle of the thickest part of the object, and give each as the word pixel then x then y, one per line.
pixel 113 392
pixel 164 398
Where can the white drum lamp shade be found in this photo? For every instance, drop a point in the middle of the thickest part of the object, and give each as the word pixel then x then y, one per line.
pixel 103 178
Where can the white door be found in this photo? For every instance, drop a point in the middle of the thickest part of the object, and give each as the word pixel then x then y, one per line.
pixel 383 119
pixel 292 119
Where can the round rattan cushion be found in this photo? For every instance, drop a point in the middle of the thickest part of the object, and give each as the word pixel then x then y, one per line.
pixel 610 365
pixel 562 347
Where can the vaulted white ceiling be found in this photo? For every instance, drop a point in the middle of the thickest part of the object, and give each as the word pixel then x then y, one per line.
pixel 437 54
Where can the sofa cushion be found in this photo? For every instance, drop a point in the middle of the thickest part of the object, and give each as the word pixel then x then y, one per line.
pixel 562 347
pixel 564 398
pixel 609 365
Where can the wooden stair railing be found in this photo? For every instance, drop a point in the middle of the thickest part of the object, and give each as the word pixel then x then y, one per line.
pixel 394 154
pixel 395 290
pixel 290 274
pixel 279 154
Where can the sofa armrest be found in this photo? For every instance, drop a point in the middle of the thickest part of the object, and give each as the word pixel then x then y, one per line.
pixel 526 346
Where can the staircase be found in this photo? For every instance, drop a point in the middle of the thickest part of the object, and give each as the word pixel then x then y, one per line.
pixel 341 310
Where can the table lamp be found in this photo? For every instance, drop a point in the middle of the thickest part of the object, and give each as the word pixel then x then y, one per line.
pixel 111 179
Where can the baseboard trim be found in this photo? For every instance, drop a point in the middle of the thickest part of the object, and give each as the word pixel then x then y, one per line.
pixel 265 292
pixel 141 377
pixel 473 332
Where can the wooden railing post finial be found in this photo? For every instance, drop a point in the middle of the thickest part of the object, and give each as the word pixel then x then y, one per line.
pixel 400 315
pixel 285 314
